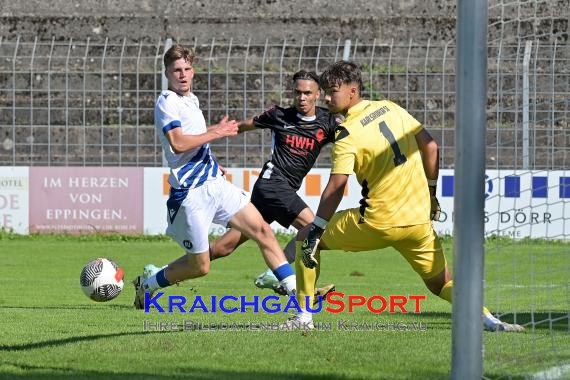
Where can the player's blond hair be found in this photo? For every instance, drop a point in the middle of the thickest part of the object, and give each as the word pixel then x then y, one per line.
pixel 176 52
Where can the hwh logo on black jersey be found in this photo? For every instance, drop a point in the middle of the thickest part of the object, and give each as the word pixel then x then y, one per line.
pixel 300 142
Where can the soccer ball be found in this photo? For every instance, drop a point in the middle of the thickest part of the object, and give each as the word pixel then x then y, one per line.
pixel 101 280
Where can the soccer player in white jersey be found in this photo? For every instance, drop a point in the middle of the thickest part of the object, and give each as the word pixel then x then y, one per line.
pixel 199 193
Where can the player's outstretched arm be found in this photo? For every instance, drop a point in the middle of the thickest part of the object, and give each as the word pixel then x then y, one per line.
pixel 430 159
pixel 181 143
pixel 246 125
pixel 332 195
pixel 430 154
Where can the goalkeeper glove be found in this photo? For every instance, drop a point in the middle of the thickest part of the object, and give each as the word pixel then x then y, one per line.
pixel 311 242
pixel 435 208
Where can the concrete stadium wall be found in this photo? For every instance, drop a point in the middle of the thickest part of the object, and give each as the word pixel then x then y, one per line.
pixel 149 20
pixel 183 20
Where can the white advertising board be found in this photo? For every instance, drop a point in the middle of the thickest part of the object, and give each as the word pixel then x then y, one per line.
pixel 14 199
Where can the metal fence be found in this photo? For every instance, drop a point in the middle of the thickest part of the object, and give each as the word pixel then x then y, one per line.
pixel 91 102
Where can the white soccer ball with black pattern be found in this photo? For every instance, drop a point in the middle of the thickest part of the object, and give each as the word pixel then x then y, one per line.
pixel 102 280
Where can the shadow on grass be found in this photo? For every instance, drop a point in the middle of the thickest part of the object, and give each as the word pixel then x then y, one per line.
pixel 95 306
pixel 57 373
pixel 71 339
pixel 436 320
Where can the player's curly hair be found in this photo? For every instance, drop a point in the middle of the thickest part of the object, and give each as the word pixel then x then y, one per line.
pixel 306 75
pixel 341 72
pixel 176 52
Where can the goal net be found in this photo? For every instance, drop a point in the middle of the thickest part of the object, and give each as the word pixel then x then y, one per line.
pixel 527 189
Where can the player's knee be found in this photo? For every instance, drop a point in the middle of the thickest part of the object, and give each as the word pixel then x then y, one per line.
pixel 436 283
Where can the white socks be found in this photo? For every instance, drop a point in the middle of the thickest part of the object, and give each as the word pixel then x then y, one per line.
pixel 290 285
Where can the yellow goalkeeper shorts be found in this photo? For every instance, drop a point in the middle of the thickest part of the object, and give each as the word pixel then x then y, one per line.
pixel 418 244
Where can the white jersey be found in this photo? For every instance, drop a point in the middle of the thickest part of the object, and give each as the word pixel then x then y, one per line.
pixel 193 168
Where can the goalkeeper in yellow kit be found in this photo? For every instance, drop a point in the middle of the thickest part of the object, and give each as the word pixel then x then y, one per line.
pixel 396 161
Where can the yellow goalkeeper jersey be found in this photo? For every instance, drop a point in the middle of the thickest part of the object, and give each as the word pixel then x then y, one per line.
pixel 377 142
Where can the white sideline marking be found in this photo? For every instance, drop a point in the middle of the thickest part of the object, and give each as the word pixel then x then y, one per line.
pixel 553 373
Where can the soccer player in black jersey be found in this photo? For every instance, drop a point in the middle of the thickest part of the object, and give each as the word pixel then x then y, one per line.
pixel 298 135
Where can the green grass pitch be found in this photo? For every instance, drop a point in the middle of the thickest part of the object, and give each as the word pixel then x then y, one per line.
pixel 49 329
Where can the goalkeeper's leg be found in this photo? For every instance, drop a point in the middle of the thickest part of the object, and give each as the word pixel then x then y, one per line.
pixel 423 251
pixel 490 322
pixel 306 279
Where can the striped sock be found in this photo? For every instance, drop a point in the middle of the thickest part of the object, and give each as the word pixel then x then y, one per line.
pixel 285 275
pixel 156 281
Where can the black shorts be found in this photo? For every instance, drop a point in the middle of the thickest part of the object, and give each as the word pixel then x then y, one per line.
pixel 277 201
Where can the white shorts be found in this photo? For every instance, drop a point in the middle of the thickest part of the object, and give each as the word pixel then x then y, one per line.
pixel 216 201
